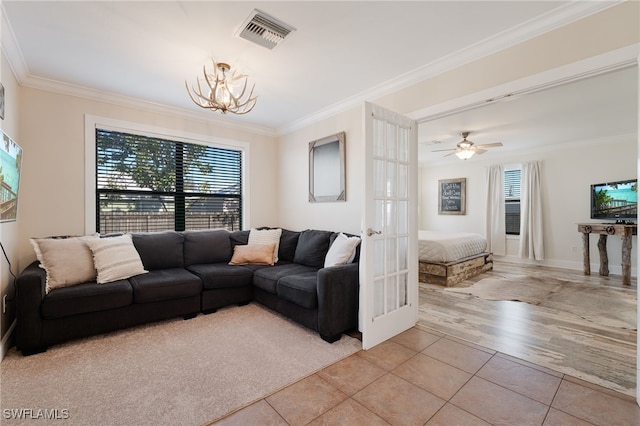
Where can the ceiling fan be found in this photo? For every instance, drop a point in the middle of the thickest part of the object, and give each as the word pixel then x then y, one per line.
pixel 465 148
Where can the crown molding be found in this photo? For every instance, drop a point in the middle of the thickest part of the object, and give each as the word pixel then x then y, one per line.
pixel 136 103
pixel 549 21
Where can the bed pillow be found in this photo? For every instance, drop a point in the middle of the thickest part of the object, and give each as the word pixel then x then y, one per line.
pixel 342 250
pixel 66 261
pixel 255 254
pixel 115 258
pixel 265 237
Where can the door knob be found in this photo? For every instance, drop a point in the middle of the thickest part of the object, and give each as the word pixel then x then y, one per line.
pixel 371 232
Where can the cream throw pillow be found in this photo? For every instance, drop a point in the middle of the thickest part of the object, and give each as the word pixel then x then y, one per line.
pixel 253 254
pixel 67 261
pixel 116 258
pixel 264 237
pixel 342 251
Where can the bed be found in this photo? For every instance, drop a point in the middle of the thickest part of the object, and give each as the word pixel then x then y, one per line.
pixel 450 258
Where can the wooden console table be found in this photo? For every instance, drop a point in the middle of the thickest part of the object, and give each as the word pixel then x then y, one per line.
pixel 605 229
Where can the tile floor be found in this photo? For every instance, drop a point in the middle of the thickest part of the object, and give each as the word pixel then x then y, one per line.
pixel 423 377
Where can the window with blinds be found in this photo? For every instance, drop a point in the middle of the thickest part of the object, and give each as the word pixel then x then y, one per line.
pixel 512 201
pixel 148 184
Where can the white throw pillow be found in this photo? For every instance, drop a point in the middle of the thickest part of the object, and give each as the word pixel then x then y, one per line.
pixel 116 258
pixel 262 237
pixel 342 251
pixel 67 261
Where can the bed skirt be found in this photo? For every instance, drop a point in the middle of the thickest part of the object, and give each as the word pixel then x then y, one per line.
pixel 452 274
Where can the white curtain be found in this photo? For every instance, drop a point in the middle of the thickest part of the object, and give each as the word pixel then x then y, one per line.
pixel 531 240
pixel 495 228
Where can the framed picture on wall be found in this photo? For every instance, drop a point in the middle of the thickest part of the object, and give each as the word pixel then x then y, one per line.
pixel 452 196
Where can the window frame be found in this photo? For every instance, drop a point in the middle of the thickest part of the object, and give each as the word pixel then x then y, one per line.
pixel 94 122
pixel 511 168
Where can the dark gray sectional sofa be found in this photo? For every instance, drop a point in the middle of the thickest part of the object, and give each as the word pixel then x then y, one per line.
pixel 189 273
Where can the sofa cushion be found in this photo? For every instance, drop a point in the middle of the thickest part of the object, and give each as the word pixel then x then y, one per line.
pixel 268 277
pixel 85 298
pixel 288 244
pixel 257 254
pixel 238 237
pixel 66 261
pixel 341 251
pixel 266 237
pixel 115 258
pixel 221 275
pixel 300 289
pixel 165 284
pixel 160 250
pixel 209 246
pixel 312 248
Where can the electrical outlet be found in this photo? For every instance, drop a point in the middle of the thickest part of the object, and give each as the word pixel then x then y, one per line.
pixel 4 304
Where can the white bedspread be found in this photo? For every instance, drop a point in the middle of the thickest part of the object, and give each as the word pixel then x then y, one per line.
pixel 447 247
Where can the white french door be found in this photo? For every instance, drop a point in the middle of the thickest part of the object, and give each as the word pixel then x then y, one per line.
pixel 389 261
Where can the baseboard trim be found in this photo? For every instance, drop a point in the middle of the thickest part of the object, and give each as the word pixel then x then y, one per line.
pixel 7 340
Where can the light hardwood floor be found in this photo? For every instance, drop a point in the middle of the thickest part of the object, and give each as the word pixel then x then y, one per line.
pixel 549 337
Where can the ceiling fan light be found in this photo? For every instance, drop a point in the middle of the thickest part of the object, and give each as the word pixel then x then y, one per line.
pixel 464 154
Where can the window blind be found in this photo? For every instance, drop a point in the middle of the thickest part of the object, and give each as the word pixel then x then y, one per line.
pixel 148 184
pixel 512 201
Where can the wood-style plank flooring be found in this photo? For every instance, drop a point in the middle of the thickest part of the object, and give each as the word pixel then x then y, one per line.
pixel 548 337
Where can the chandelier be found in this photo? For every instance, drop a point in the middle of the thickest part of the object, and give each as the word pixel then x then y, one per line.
pixel 219 91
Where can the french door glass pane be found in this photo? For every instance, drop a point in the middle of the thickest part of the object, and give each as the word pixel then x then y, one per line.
pixel 379 183
pixel 392 217
pixel 403 144
pixel 378 304
pixel 403 215
pixel 379 219
pixel 392 261
pixel 378 138
pixel 391 142
pixel 403 175
pixel 392 293
pixel 403 243
pixel 378 248
pixel 392 178
pixel 402 289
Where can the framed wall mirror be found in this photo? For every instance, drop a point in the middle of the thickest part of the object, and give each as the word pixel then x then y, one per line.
pixel 327 169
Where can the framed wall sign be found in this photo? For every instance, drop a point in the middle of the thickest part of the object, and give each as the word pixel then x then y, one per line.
pixel 452 196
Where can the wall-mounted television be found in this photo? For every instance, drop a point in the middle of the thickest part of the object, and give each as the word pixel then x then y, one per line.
pixel 10 163
pixel 615 200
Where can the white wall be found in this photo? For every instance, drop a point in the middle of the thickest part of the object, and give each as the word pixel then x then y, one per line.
pixel 295 211
pixel 567 173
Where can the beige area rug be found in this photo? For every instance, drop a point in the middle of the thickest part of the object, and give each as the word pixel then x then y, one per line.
pixel 605 305
pixel 174 372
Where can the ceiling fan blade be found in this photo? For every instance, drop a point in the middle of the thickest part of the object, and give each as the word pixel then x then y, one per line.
pixel 451 153
pixel 441 150
pixel 480 151
pixel 489 145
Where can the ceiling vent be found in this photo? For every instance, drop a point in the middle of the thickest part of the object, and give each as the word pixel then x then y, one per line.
pixel 264 30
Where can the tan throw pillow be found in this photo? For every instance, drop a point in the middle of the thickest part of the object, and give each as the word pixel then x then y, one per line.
pixel 266 236
pixel 342 251
pixel 116 258
pixel 67 261
pixel 256 254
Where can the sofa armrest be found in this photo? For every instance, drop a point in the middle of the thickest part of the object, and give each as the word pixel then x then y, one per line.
pixel 338 300
pixel 30 292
